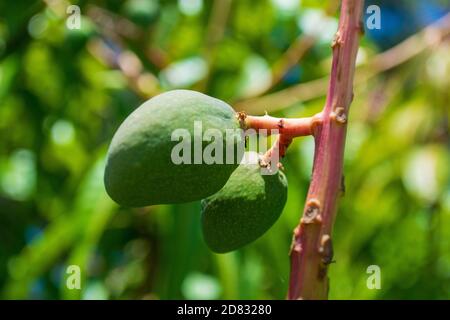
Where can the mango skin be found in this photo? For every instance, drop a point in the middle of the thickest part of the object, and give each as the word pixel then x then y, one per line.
pixel 139 170
pixel 247 206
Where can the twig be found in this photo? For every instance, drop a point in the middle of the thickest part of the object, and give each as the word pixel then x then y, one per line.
pixel 215 32
pixel 143 83
pixel 311 250
pixel 119 28
pixel 286 128
pixel 293 127
pixel 290 58
pixel 113 24
pixel 296 51
pixel 277 151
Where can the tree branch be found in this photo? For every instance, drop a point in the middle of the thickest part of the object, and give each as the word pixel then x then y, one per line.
pixel 220 12
pixel 287 129
pixel 296 51
pixel 292 127
pixel 311 250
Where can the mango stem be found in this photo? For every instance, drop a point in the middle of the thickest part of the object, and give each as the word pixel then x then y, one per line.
pixel 289 127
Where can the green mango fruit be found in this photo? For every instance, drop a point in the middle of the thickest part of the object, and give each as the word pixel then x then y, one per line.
pixel 140 169
pixel 244 209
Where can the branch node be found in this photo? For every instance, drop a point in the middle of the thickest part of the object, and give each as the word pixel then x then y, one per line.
pixel 263 162
pixel 337 40
pixel 297 247
pixel 339 115
pixel 312 212
pixel 241 116
pixel 326 249
pixel 316 122
pixel 296 232
pixel 361 29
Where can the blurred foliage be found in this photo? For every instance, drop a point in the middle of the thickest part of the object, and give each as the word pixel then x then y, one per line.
pixel 63 93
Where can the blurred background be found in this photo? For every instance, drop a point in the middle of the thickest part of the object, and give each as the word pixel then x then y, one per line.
pixel 64 92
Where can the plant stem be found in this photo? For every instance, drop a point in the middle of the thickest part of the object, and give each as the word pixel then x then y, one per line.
pixel 288 129
pixel 311 250
pixel 292 127
pixel 280 146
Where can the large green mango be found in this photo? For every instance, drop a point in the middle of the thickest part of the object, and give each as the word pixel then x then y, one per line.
pixel 244 209
pixel 140 170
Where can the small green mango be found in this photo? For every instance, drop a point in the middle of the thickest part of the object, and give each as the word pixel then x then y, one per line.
pixel 139 169
pixel 244 209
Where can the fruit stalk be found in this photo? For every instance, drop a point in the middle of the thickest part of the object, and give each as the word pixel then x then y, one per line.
pixel 311 250
pixel 288 129
pixel 292 127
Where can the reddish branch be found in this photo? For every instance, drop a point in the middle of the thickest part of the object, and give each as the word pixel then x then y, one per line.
pixel 287 128
pixel 279 148
pixel 311 250
pixel 293 127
